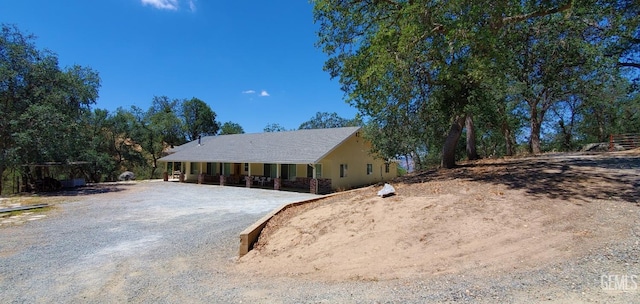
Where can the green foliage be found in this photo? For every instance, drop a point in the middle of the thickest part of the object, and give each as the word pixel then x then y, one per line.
pixel 418 67
pixel 134 139
pixel 324 120
pixel 408 62
pixel 274 127
pixel 199 119
pixel 401 171
pixel 231 128
pixel 42 105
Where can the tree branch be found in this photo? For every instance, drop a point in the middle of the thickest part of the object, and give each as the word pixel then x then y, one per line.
pixel 629 64
pixel 518 18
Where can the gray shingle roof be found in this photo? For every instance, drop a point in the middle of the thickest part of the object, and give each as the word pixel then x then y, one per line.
pixel 291 147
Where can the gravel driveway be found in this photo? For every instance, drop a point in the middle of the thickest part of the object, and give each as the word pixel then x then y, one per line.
pixel 156 242
pixel 135 242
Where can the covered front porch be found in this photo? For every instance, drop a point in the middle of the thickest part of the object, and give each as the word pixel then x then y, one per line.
pixel 292 177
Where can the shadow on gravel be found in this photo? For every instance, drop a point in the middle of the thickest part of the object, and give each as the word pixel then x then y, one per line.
pixel 90 189
pixel 554 177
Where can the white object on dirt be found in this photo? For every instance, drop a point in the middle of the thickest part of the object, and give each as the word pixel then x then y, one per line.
pixel 387 190
pixel 127 176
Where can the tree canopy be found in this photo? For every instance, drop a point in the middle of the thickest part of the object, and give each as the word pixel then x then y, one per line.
pixel 324 120
pixel 274 127
pixel 42 105
pixel 231 128
pixel 47 117
pixel 199 119
pixel 444 65
pixel 431 79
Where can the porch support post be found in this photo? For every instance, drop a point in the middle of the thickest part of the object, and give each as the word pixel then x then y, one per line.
pixel 277 180
pixel 223 179
pixel 248 179
pixel 313 186
pixel 313 182
pixel 200 175
pixel 165 175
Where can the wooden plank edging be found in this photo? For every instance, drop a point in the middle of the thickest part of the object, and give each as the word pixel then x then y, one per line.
pixel 22 208
pixel 249 236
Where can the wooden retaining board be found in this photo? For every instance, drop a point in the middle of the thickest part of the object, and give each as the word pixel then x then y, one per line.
pixel 249 236
pixel 21 208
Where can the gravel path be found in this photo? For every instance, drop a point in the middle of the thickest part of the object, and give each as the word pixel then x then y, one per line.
pixel 140 242
pixel 155 242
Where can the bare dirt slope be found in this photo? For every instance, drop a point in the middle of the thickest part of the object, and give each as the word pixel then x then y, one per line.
pixel 484 218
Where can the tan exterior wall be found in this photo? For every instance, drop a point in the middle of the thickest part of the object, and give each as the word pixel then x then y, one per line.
pixel 301 170
pixel 257 169
pixel 188 169
pixel 354 153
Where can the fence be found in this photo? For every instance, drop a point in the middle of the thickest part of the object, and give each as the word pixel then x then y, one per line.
pixel 627 141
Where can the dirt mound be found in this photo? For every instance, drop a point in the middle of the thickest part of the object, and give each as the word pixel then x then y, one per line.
pixel 487 217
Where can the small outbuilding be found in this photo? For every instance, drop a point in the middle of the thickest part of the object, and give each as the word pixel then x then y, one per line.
pixel 320 160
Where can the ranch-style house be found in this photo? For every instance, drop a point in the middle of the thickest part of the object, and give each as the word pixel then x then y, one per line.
pixel 320 160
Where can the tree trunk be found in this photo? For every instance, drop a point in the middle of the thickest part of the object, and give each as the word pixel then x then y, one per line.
pixel 601 135
pixel 535 135
pixel 508 140
pixel 406 158
pixel 1 175
pixel 537 117
pixel 154 166
pixel 449 149
pixel 566 136
pixel 472 154
pixel 417 162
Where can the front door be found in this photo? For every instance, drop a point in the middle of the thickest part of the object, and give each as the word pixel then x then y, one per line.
pixel 236 172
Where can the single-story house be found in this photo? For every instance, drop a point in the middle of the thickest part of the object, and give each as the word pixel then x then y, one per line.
pixel 321 160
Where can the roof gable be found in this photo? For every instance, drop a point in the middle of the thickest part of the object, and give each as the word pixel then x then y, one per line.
pixel 290 147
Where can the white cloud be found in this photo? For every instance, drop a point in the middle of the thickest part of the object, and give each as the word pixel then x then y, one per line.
pixel 249 92
pixel 162 4
pixel 192 5
pixel 264 93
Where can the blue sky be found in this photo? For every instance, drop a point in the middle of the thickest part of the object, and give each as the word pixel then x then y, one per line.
pixel 254 62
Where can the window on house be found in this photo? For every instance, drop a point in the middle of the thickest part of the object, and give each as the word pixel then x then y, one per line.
pixel 266 170
pixel 288 171
pixel 210 169
pixel 225 169
pixel 386 168
pixel 246 167
pixel 343 170
pixel 318 171
pixel 193 168
pixel 270 170
pixel 369 169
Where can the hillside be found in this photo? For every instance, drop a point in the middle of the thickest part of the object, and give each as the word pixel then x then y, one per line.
pixel 485 218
